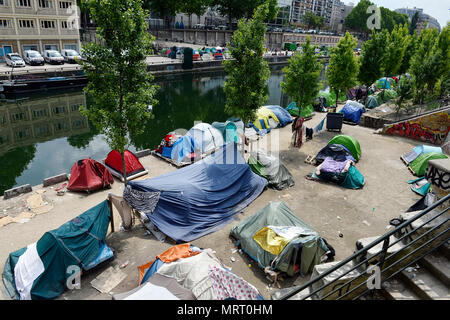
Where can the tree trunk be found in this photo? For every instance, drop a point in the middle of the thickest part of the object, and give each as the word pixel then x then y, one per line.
pixel 124 169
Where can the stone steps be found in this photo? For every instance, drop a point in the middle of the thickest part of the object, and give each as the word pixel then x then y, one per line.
pixel 425 284
pixel 396 289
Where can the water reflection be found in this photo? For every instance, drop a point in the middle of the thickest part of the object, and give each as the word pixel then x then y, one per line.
pixel 41 136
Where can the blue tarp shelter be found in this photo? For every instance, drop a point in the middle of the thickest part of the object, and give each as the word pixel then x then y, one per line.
pixel 282 114
pixel 202 198
pixel 352 111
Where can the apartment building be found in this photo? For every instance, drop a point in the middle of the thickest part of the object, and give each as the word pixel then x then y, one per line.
pixel 339 13
pixel 38 25
pixel 322 8
pixel 423 18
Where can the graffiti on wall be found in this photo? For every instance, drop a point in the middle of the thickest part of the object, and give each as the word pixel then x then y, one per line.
pixel 432 128
pixel 438 177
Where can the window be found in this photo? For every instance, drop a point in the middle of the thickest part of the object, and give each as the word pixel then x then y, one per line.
pixel 45 4
pixel 26 23
pixel 75 107
pixel 19 116
pixel 67 24
pixel 23 3
pixel 47 24
pixel 30 47
pixel 39 113
pixel 59 110
pixel 3 3
pixel 50 47
pixel 65 4
pixel 4 23
pixel 70 47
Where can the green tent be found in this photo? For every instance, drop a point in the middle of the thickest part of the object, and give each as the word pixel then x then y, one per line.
pixel 257 167
pixel 301 253
pixel 42 267
pixel 305 113
pixel 372 102
pixel 419 165
pixel 389 95
pixel 350 143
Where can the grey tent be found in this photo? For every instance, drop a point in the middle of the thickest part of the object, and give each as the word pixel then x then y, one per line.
pixel 300 247
pixel 271 168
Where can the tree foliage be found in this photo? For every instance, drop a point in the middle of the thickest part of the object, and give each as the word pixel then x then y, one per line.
pixel 246 86
pixel 343 68
pixel 357 19
pixel 237 9
pixel 424 66
pixel 372 54
pixel 302 76
pixel 197 7
pixel 311 20
pixel 397 44
pixel 119 84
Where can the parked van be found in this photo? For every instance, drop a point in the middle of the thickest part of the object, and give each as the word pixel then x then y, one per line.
pixel 33 57
pixel 14 60
pixel 53 57
pixel 70 56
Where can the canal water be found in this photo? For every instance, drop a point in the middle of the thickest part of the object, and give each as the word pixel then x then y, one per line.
pixel 44 135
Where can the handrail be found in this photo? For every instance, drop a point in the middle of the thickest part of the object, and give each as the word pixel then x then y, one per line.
pixel 365 249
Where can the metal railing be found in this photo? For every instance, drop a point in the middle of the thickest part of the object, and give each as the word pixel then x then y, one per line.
pixel 390 264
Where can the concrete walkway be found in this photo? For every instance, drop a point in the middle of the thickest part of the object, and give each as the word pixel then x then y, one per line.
pixel 362 213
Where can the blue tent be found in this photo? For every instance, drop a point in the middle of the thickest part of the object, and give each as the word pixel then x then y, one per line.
pixel 201 198
pixel 182 149
pixel 352 111
pixel 282 114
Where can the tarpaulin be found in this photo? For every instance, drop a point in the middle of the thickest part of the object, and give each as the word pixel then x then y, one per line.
pixel 203 197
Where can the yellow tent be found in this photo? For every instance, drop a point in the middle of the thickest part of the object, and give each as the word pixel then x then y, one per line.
pixel 262 116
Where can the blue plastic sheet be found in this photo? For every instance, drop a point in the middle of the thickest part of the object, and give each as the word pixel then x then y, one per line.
pixel 203 197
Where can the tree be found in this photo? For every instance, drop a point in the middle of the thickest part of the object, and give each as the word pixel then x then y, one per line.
pixel 312 20
pixel 197 7
pixel 163 8
pixel 414 21
pixel 423 64
pixel 396 46
pixel 233 9
pixel 372 53
pixel 343 68
pixel 357 18
pixel 302 76
pixel 119 84
pixel 246 86
pixel 409 52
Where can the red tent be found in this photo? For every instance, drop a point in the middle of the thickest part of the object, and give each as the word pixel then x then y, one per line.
pixel 133 167
pixel 89 175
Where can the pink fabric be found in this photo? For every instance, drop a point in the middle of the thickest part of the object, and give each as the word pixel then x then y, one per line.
pixel 229 285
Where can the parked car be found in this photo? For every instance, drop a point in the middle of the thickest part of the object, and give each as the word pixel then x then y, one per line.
pixel 298 31
pixel 277 30
pixel 33 57
pixel 70 56
pixel 53 57
pixel 199 26
pixel 14 60
pixel 222 27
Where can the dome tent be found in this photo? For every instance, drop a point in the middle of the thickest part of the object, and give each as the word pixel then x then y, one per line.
pixel 133 167
pixel 89 175
pixel 350 143
pixel 282 114
pixel 206 137
pixel 265 119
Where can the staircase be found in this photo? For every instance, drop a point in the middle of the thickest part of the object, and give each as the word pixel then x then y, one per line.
pixel 429 279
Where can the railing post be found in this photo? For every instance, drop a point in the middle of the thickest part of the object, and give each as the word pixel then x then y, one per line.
pixel 383 253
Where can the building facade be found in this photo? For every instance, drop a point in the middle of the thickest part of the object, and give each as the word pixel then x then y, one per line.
pixel 339 13
pixel 423 18
pixel 321 8
pixel 38 25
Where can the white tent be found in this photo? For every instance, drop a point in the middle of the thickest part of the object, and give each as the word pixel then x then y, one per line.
pixel 206 136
